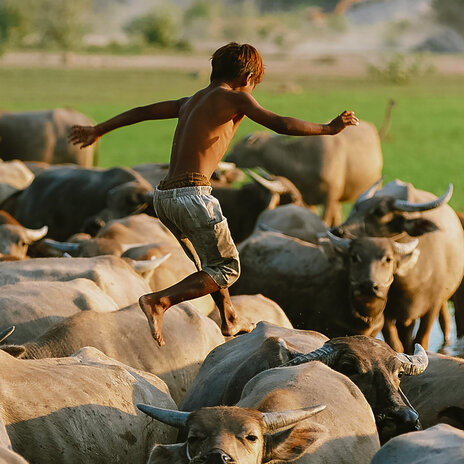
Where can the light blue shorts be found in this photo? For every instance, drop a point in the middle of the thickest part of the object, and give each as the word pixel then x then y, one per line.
pixel 195 218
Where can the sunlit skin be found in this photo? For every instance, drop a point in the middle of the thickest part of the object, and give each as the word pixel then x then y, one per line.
pixel 207 122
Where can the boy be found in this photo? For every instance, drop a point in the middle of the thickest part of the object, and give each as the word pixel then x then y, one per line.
pixel 207 121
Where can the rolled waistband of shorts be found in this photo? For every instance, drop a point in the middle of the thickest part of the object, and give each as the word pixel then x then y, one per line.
pixel 186 179
pixel 183 191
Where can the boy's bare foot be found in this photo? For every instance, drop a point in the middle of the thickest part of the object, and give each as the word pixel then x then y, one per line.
pixel 154 311
pixel 236 326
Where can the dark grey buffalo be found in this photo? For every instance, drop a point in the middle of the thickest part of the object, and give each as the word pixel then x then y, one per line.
pixel 339 287
pixel 423 293
pixel 71 199
pixel 242 206
pixel 43 136
pixel 325 169
pixel 371 364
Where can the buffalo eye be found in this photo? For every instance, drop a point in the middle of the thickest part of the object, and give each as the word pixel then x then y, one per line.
pixel 400 374
pixel 251 437
pixel 387 259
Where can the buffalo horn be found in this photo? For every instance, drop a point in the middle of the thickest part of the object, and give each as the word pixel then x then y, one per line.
pixel 369 193
pixel 63 246
pixel 277 421
pixel 147 265
pixel 226 166
pixel 403 205
pixel 4 334
pixel 36 234
pixel 171 417
pixel 325 354
pixel 339 242
pixel 414 364
pixel 273 186
pixel 405 248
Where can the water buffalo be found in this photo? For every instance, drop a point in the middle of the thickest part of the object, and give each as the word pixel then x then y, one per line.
pixel 235 434
pixel 437 393
pixel 423 292
pixel 325 169
pixel 441 444
pixel 242 206
pixel 371 364
pixel 293 220
pixel 125 336
pixel 80 409
pixel 70 199
pixel 43 136
pixel 339 287
pixel 119 278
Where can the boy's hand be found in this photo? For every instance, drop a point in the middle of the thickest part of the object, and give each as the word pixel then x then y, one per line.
pixel 347 118
pixel 85 135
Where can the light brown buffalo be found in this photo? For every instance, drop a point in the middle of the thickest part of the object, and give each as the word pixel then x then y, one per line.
pixel 441 444
pixel 422 293
pixel 43 136
pixel 81 409
pixel 124 335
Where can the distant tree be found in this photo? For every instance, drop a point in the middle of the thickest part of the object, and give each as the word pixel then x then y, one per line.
pixel 155 28
pixel 450 13
pixel 62 23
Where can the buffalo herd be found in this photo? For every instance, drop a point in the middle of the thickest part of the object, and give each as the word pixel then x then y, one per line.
pixel 336 369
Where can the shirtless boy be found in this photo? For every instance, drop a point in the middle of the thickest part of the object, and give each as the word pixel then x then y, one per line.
pixel 207 121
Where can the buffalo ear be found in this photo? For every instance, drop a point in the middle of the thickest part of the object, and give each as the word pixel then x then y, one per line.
pixel 18 351
pixel 291 444
pixel 168 454
pixel 405 263
pixel 417 227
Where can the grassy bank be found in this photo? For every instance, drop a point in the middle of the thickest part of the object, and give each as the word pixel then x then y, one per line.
pixel 425 145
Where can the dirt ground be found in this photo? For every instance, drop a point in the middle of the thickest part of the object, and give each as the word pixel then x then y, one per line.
pixel 348 64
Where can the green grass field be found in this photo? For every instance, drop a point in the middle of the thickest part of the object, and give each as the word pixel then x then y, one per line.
pixel 426 139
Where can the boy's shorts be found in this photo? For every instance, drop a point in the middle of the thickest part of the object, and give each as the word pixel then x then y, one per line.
pixel 195 218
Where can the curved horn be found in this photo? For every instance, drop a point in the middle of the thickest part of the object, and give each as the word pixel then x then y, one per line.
pixel 63 246
pixel 369 193
pixel 128 246
pixel 4 334
pixel 171 417
pixel 36 234
pixel 405 248
pixel 343 243
pixel 277 421
pixel 273 186
pixel 149 264
pixel 326 354
pixel 407 206
pixel 414 364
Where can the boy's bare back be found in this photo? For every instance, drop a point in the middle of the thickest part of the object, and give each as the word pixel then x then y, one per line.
pixel 207 122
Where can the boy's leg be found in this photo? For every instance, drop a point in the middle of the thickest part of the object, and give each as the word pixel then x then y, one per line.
pixel 231 324
pixel 155 304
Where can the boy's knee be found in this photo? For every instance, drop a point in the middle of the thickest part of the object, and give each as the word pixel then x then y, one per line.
pixel 226 273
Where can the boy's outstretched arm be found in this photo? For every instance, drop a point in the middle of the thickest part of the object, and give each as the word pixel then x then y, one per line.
pixel 293 126
pixel 87 135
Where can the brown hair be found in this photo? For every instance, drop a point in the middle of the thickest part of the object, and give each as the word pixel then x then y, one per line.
pixel 234 60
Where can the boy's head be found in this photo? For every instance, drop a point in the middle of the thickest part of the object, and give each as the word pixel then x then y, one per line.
pixel 233 61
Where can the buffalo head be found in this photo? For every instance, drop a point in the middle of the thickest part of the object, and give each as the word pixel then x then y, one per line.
pixel 386 215
pixel 376 369
pixel 222 434
pixel 371 264
pixel 15 240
